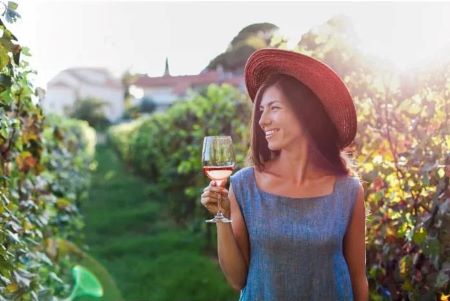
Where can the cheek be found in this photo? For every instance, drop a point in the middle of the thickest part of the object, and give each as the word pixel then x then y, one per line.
pixel 293 127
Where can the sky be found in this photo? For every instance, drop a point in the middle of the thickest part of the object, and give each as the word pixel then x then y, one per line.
pixel 138 36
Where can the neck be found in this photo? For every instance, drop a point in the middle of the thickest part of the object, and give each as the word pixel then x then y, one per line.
pixel 298 166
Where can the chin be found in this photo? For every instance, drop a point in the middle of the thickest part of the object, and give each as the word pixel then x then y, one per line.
pixel 273 146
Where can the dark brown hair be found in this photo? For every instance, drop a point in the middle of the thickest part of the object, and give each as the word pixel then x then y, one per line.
pixel 320 130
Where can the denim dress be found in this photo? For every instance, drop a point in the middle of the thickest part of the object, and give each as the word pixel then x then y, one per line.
pixel 296 244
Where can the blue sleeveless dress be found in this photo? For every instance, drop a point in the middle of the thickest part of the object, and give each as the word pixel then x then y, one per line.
pixel 296 244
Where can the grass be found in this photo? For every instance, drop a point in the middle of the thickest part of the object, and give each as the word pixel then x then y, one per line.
pixel 146 254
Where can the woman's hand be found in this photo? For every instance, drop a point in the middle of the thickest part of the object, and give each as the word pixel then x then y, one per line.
pixel 210 197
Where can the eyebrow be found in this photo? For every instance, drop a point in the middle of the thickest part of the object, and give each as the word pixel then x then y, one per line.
pixel 270 103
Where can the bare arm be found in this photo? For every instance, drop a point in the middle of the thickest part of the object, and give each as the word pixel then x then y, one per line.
pixel 355 249
pixel 232 246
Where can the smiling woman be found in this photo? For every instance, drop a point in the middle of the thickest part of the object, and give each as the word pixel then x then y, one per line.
pixel 298 230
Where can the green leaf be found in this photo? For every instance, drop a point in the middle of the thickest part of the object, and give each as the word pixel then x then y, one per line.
pixel 23 278
pixel 441 173
pixel 431 247
pixel 4 131
pixel 12 236
pixel 44 258
pixel 25 51
pixel 12 5
pixel 420 235
pixel 426 179
pixel 5 96
pixel 442 279
pixel 55 277
pixel 5 81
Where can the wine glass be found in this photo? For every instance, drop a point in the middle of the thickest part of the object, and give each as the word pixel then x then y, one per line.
pixel 218 163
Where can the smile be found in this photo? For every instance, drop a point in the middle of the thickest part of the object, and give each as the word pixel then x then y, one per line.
pixel 270 133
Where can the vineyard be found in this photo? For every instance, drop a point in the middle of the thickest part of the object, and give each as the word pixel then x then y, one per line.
pixel 142 208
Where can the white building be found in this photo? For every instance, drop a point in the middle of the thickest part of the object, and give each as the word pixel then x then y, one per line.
pixel 79 83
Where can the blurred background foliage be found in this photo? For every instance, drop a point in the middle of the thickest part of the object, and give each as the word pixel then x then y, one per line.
pixel 45 162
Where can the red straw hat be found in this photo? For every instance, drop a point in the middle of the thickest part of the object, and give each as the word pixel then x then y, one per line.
pixel 317 76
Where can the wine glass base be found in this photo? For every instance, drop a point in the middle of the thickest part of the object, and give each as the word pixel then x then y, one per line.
pixel 218 219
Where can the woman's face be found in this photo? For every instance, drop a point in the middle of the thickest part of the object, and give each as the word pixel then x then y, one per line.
pixel 278 122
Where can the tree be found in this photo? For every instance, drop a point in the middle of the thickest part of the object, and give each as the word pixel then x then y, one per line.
pixel 92 110
pixel 127 80
pixel 147 105
pixel 248 40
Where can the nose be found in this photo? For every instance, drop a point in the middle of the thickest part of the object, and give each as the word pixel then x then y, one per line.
pixel 264 119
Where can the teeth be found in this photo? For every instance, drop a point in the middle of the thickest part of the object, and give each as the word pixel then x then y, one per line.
pixel 270 133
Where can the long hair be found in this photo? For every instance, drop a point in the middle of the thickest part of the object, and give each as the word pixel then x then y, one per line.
pixel 320 130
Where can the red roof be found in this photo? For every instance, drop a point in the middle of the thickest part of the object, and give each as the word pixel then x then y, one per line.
pixel 181 83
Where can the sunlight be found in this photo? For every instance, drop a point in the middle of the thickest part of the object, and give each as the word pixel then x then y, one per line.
pixel 406 39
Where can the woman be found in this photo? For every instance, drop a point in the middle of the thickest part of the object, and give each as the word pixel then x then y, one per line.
pixel 298 230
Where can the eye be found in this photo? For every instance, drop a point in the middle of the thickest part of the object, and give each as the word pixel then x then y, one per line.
pixel 274 108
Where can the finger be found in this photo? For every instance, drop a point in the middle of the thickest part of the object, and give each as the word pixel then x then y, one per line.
pixel 215 194
pixel 213 209
pixel 219 189
pixel 204 201
pixel 209 199
pixel 212 186
pixel 211 205
pixel 211 194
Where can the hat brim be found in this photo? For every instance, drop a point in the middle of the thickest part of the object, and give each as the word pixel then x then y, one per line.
pixel 317 76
